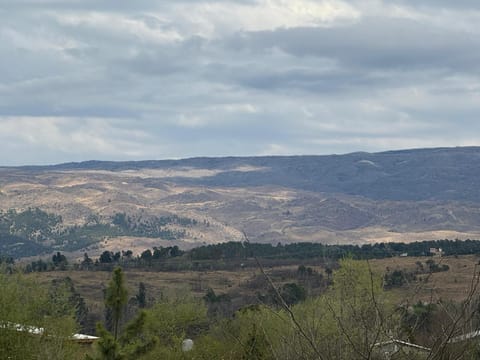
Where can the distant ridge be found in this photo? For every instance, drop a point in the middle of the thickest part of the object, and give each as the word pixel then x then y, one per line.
pixel 412 174
pixel 89 164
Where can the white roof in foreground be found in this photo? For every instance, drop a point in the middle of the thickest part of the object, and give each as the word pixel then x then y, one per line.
pixel 84 337
pixel 39 331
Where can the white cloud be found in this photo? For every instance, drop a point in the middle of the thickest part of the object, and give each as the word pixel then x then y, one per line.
pixel 214 19
pixel 90 136
pixel 277 149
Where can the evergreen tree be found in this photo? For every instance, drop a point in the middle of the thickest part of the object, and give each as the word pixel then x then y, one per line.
pixel 116 298
pixel 141 296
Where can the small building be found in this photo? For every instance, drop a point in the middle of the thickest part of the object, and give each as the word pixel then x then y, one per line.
pixel 83 339
pixel 436 252
pixel 33 330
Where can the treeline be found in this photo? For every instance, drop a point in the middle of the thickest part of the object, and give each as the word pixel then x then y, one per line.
pixel 235 255
pixel 146 259
pixel 106 261
pixel 238 250
pixel 58 262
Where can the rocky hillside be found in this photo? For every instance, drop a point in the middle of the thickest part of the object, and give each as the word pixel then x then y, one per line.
pixel 359 197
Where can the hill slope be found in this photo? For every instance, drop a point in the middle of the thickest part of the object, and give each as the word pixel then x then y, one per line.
pixel 398 195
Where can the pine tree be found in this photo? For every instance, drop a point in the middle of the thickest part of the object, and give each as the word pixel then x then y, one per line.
pixel 116 298
pixel 142 296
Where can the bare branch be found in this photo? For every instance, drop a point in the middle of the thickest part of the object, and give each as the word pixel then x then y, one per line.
pixel 284 304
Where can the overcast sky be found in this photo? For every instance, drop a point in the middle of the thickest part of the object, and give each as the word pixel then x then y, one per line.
pixel 138 79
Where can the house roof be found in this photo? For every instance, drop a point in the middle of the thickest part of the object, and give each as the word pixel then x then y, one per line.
pixel 81 338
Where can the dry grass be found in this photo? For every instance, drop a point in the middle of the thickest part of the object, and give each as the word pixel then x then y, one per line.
pixel 448 285
pixel 260 211
pixel 90 284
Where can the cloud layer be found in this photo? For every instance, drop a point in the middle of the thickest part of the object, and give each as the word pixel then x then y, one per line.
pixel 160 79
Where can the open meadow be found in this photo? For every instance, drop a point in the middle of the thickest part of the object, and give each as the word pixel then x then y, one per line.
pixel 245 284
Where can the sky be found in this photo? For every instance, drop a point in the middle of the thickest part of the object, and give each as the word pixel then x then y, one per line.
pixel 132 80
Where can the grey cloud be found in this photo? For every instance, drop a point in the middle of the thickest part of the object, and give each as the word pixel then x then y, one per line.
pixel 104 5
pixel 369 84
pixel 290 79
pixel 166 60
pixel 459 4
pixel 374 42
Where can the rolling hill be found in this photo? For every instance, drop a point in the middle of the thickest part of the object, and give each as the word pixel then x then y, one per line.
pixel 405 195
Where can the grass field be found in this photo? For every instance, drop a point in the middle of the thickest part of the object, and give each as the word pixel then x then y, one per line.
pixel 90 284
pixel 453 284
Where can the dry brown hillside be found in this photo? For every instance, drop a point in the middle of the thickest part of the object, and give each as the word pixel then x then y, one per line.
pixel 396 196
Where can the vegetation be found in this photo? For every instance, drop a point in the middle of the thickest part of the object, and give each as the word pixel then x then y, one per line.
pixel 116 298
pixel 236 250
pixel 399 277
pixel 352 313
pixel 34 231
pixel 317 302
pixel 237 255
pixel 35 322
pixel 154 228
